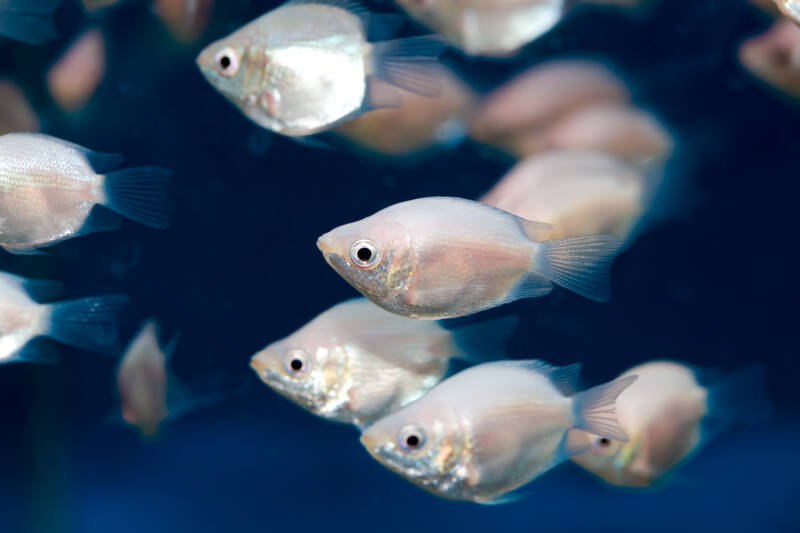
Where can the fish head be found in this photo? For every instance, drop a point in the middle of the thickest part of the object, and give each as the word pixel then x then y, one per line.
pixel 224 65
pixel 374 255
pixel 614 461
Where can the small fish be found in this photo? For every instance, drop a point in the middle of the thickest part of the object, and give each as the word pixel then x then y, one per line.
pixel 307 65
pixel 16 114
pixel 774 56
pixel 576 192
pixel 492 428
pixel 668 415
pixel 488 27
pixel 74 78
pixel 29 21
pixel 356 363
pixel 446 257
pixel 49 187
pixel 88 323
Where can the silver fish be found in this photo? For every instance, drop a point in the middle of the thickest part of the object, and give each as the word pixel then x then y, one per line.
pixel 446 257
pixel 48 188
pixel 492 428
pixel 29 21
pixel 307 65
pixel 356 363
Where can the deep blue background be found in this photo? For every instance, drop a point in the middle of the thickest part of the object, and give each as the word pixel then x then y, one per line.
pixel 238 268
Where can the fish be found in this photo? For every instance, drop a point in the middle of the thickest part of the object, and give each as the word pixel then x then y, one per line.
pixel 49 187
pixel 442 257
pixel 75 76
pixel 88 323
pixel 790 9
pixel 16 113
pixel 356 363
pixel 488 430
pixel 669 415
pixel 28 21
pixel 488 28
pixel 576 192
pixel 774 56
pixel 307 65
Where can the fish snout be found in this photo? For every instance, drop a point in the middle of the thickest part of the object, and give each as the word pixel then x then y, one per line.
pixel 259 364
pixel 325 243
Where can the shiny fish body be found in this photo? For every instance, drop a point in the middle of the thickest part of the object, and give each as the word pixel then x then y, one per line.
pixel 21 319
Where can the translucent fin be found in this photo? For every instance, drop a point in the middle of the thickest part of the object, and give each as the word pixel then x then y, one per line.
pixel 575 443
pixel 741 396
pixel 100 220
pixel 32 251
pixel 89 323
pixel 312 142
pixel 29 21
pixel 535 231
pixel 381 95
pixel 171 346
pixel 596 410
pixel 580 264
pixel 484 341
pixel 565 378
pixel 411 64
pixel 531 286
pixel 139 194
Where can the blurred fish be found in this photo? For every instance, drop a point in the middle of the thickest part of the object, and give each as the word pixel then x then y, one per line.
pixel 492 428
pixel 774 56
pixel 577 193
pixel 49 187
pixel 88 323
pixel 185 19
pixel 16 114
pixel 73 79
pixel 447 257
pixel 790 8
pixel 537 98
pixel 306 66
pixel 29 21
pixel 356 363
pixel 420 123
pixel 488 27
pixel 668 416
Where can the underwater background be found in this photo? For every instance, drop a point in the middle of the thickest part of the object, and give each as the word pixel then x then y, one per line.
pixel 713 283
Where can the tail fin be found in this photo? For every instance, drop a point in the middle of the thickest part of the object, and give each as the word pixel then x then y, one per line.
pixel 580 264
pixel 484 341
pixel 741 396
pixel 29 21
pixel 410 64
pixel 596 410
pixel 139 194
pixel 89 323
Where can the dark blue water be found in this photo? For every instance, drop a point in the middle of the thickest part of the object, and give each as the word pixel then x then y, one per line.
pixel 238 268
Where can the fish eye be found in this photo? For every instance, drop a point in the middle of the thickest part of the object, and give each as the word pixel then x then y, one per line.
pixel 411 438
pixel 296 363
pixel 364 253
pixel 227 62
pixel 602 443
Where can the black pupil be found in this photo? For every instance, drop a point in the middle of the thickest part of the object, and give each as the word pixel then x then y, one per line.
pixel 225 62
pixel 364 254
pixel 412 441
pixel 296 365
pixel 604 442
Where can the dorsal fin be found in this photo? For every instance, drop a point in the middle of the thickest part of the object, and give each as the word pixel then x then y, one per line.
pixel 565 378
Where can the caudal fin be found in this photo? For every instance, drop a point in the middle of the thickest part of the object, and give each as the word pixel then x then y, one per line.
pixel 29 21
pixel 89 323
pixel 410 64
pixel 580 264
pixel 596 409
pixel 741 396
pixel 139 194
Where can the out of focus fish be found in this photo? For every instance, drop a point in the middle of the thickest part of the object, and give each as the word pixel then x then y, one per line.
pixel 185 19
pixel 88 323
pixel 577 193
pixel 668 415
pixel 420 123
pixel 73 79
pixel 356 363
pixel 537 98
pixel 307 65
pixel 29 21
pixel 492 428
pixel 774 56
pixel 49 187
pixel 446 257
pixel 16 114
pixel 790 8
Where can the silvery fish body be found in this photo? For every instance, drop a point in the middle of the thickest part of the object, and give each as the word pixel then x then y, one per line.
pixel 492 428
pixel 48 187
pixel 305 66
pixel 445 257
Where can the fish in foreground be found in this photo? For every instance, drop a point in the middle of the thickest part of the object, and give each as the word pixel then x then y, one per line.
pixel 29 21
pixel 307 65
pixel 492 428
pixel 356 363
pixel 88 323
pixel 668 415
pixel 49 187
pixel 444 257
pixel 148 393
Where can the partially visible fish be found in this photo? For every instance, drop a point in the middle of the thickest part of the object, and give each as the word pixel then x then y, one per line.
pixel 49 187
pixel 790 8
pixel 16 114
pixel 74 78
pixel 307 65
pixel 492 428
pixel 29 21
pixel 774 56
pixel 446 257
